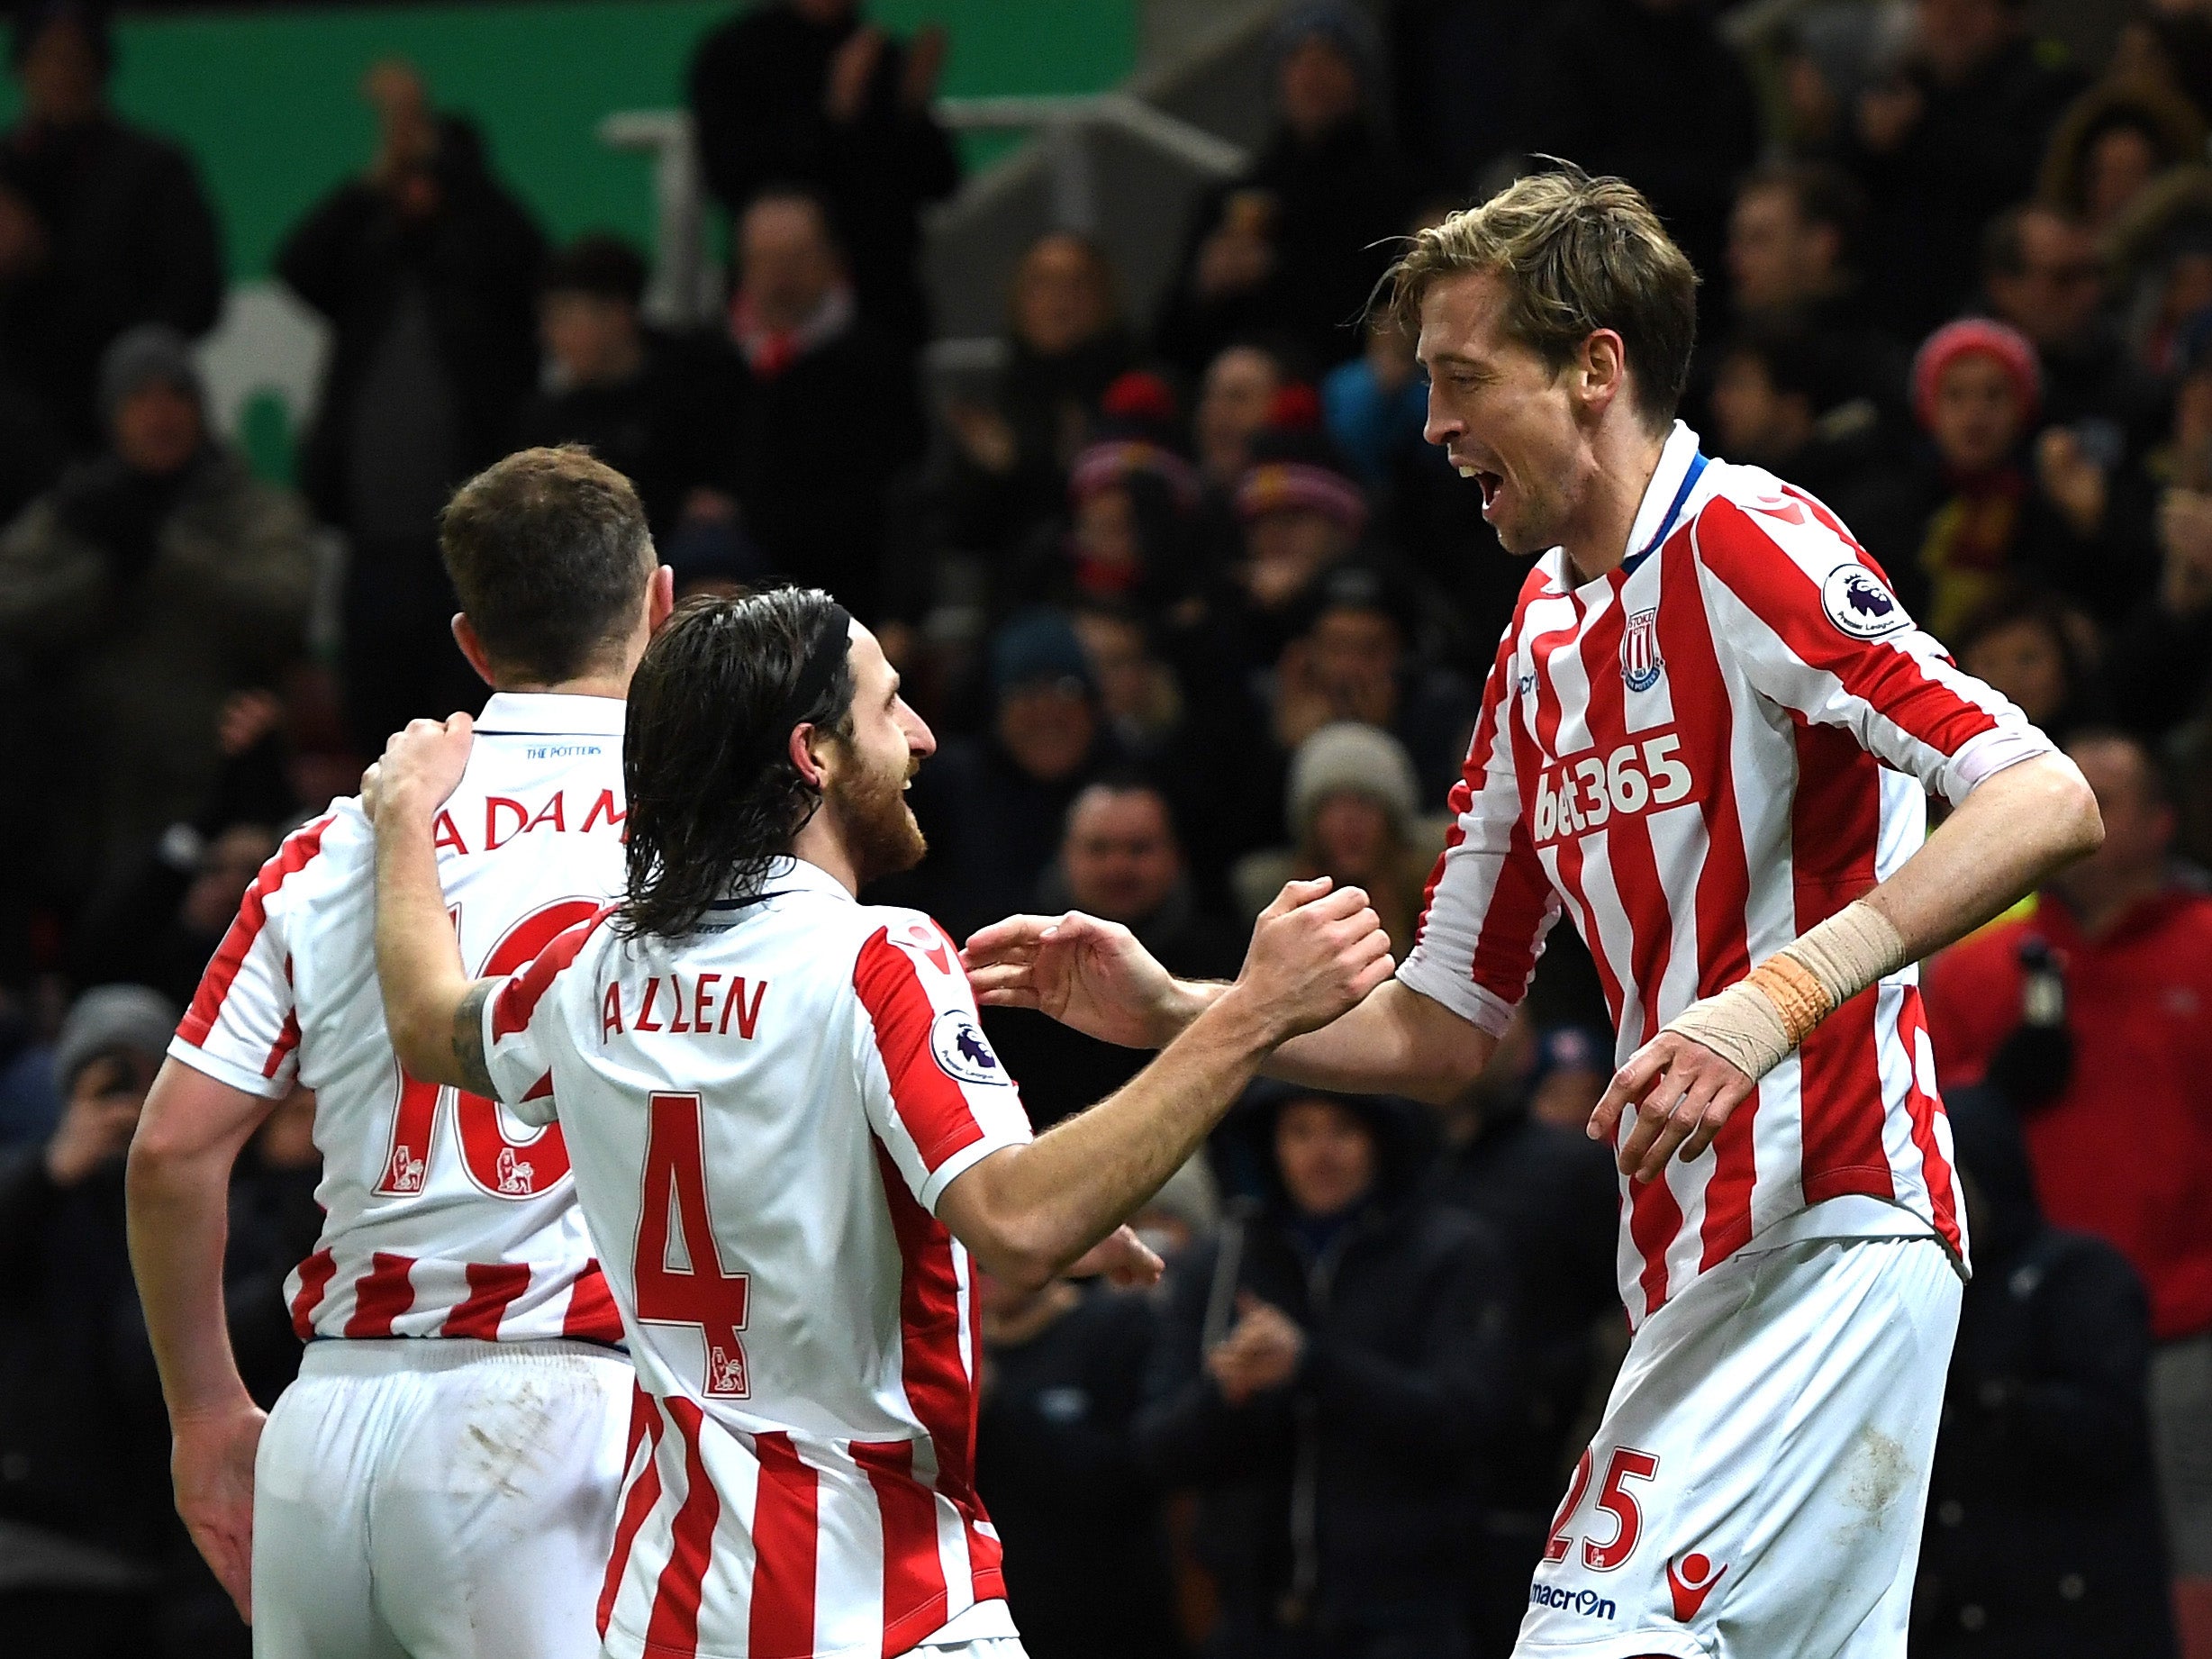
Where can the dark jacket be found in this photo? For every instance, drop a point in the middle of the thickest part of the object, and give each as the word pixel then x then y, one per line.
pixel 1086 1560
pixel 1338 201
pixel 2042 1538
pixel 757 93
pixel 1973 152
pixel 669 429
pixel 1356 1481
pixel 1654 95
pixel 477 258
pixel 132 239
pixel 813 477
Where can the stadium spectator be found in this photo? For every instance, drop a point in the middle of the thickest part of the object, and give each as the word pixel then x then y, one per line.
pixel 1942 141
pixel 1374 405
pixel 1794 237
pixel 1358 659
pixel 147 587
pixel 813 487
pixel 1646 89
pixel 2112 141
pixel 2024 643
pixel 164 926
pixel 1121 859
pixel 1974 512
pixel 2161 663
pixel 426 268
pixel 93 1552
pixel 1776 402
pixel 1239 388
pixel 102 226
pixel 1295 244
pixel 1299 513
pixel 2041 274
pixel 2042 1529
pixel 1550 1197
pixel 1087 1573
pixel 1332 1375
pixel 804 93
pixel 1351 811
pixel 994 805
pixel 1132 510
pixel 660 410
pixel 1066 345
pixel 2135 947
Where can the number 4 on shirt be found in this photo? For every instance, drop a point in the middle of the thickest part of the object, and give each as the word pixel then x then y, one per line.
pixel 700 1293
pixel 1628 1465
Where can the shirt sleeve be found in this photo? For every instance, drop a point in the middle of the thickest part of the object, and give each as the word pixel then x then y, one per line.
pixel 1489 904
pixel 936 1097
pixel 243 1029
pixel 1818 630
pixel 522 1025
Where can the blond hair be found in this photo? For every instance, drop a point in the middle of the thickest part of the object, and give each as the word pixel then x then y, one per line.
pixel 1577 254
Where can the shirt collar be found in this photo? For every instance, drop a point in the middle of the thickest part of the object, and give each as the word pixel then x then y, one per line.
pixel 1665 500
pixel 793 876
pixel 545 714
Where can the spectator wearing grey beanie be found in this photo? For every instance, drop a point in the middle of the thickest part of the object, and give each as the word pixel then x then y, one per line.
pixel 1353 814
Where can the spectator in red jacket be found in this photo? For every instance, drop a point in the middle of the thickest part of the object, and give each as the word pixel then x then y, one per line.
pixel 2124 1147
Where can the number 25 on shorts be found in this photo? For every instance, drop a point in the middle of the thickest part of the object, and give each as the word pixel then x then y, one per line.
pixel 1613 1498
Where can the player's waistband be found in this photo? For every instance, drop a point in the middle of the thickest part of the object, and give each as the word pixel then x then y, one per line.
pixel 353 1356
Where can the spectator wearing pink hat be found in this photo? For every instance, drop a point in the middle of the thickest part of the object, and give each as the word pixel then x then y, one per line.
pixel 1975 515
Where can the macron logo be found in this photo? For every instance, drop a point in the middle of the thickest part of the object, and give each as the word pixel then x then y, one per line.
pixel 1691 1584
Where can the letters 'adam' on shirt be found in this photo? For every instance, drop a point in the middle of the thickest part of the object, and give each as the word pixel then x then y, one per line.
pixel 763 1117
pixel 1699 756
pixel 443 1215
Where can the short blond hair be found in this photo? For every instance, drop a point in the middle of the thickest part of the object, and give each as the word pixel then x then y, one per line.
pixel 1577 254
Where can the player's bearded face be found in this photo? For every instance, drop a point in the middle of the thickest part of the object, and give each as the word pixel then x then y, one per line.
pixel 869 798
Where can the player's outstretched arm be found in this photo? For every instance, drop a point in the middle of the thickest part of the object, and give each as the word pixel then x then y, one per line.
pixel 177 1193
pixel 1095 977
pixel 2012 832
pixel 1027 1211
pixel 432 1009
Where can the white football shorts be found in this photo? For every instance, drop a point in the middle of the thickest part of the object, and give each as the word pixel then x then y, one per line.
pixel 1756 1486
pixel 439 1499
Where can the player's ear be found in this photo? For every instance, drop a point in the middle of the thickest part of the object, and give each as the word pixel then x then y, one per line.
pixel 659 597
pixel 806 747
pixel 1604 368
pixel 472 647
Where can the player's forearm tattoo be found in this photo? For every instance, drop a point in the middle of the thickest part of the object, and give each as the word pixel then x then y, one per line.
pixel 468 1040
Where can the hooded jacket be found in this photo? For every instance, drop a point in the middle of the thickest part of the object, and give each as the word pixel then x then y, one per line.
pixel 1352 1484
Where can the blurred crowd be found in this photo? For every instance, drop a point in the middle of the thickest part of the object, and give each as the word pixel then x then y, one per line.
pixel 1194 610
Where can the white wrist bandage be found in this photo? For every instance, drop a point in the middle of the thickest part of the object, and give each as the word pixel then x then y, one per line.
pixel 1759 1018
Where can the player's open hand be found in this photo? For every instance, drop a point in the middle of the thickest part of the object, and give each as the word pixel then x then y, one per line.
pixel 1123 1257
pixel 1682 1094
pixel 1316 953
pixel 422 766
pixel 1087 973
pixel 212 1465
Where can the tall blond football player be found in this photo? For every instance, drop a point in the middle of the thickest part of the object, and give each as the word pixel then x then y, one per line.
pixel 442 1479
pixel 1709 736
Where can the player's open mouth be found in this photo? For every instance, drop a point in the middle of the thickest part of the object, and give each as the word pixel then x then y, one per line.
pixel 1489 481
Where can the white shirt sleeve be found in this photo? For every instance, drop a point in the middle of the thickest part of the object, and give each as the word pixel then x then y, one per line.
pixel 242 1028
pixel 936 1097
pixel 1489 904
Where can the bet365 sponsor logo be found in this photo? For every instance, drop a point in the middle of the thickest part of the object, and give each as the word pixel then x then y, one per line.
pixel 1579 796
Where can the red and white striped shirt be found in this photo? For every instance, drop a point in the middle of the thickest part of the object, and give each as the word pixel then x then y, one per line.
pixel 763 1117
pixel 1699 756
pixel 443 1216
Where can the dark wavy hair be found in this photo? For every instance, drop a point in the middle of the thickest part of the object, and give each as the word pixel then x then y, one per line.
pixel 706 761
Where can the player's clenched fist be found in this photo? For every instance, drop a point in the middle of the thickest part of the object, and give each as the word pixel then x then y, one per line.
pixel 1316 953
pixel 422 766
